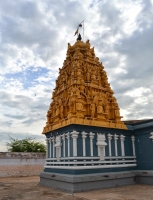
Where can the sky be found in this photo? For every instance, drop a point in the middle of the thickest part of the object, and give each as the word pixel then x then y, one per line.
pixel 33 45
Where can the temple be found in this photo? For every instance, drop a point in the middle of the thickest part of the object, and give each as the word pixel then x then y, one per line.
pixel 88 146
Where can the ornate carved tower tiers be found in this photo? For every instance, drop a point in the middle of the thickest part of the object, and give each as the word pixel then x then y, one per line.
pixel 82 94
pixel 88 146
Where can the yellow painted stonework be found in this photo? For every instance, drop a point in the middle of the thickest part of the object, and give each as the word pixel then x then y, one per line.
pixel 82 94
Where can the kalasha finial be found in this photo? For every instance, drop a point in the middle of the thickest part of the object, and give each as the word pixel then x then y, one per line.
pixel 79 37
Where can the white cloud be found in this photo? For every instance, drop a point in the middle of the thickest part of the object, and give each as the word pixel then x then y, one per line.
pixel 33 44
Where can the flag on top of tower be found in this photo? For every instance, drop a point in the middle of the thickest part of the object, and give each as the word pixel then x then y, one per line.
pixel 76 32
pixel 79 26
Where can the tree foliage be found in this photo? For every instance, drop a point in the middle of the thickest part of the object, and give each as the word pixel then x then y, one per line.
pixel 25 145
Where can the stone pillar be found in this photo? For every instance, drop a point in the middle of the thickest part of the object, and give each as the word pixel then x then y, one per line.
pixel 109 144
pixel 91 135
pixel 101 145
pixel 74 136
pixel 63 138
pixel 50 146
pixel 83 142
pixel 133 144
pixel 46 147
pixel 115 141
pixel 53 139
pixel 122 144
pixel 68 143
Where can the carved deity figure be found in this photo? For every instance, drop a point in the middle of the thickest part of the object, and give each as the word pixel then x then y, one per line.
pixel 93 77
pixel 92 108
pixel 82 89
pixel 88 76
pixel 89 55
pixel 78 54
pixel 71 103
pixel 79 105
pixel 48 115
pixel 100 108
pixel 99 77
pixel 66 77
pixel 117 113
pixel 73 73
pixel 79 72
pixel 61 109
pixel 96 98
pixel 88 43
pixel 106 110
pixel 69 45
pixel 57 110
pixel 96 59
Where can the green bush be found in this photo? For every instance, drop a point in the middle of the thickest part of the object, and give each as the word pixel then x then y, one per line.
pixel 25 145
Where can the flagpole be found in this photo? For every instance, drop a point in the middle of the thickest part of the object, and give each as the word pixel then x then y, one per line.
pixel 78 27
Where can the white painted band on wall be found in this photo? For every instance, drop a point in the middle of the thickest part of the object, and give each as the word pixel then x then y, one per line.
pixel 75 162
pixel 91 167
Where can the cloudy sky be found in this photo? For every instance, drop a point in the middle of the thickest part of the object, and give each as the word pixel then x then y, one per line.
pixel 33 44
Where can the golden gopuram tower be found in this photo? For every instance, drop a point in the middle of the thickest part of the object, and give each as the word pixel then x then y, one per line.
pixel 82 94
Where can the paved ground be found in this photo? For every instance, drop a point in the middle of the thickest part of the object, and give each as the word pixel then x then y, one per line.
pixel 27 188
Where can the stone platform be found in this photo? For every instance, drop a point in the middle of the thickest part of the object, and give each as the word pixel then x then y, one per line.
pixel 78 183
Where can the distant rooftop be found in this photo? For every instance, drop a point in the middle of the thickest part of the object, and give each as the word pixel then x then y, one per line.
pixel 137 122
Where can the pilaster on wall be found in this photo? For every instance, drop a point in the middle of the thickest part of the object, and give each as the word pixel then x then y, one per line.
pixel 115 141
pixel 133 144
pixel 63 138
pixel 122 138
pixel 91 136
pixel 68 143
pixel 53 140
pixel 50 146
pixel 74 135
pixel 84 135
pixel 109 144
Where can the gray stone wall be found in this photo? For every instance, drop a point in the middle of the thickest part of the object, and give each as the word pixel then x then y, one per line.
pixel 21 164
